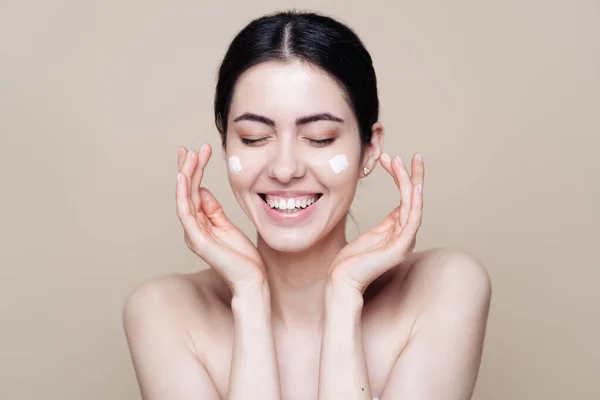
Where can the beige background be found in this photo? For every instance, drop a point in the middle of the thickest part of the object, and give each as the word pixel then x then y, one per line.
pixel 501 97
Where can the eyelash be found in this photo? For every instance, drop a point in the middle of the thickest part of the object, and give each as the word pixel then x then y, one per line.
pixel 250 142
pixel 322 142
pixel 319 142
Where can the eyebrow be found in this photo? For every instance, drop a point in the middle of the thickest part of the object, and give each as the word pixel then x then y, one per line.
pixel 300 121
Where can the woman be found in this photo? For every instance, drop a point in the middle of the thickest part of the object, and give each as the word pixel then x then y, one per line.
pixel 304 314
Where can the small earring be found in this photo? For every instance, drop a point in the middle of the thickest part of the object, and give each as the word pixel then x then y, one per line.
pixel 366 171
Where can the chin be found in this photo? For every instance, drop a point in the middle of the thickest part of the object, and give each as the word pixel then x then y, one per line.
pixel 290 240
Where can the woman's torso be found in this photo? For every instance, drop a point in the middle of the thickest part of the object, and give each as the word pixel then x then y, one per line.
pixel 390 309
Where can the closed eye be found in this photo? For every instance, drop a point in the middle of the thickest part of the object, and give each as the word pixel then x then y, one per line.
pixel 251 142
pixel 316 142
pixel 321 142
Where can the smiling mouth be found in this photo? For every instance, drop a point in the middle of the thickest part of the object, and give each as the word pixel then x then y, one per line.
pixel 290 205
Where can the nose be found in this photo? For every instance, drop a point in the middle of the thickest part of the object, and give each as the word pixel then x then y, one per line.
pixel 286 163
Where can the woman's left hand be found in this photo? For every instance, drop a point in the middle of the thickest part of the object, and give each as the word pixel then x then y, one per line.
pixel 366 258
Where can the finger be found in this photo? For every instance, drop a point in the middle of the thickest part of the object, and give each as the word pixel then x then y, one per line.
pixel 386 162
pixel 409 231
pixel 412 245
pixel 184 212
pixel 417 169
pixel 406 188
pixel 181 153
pixel 189 164
pixel 203 156
pixel 213 209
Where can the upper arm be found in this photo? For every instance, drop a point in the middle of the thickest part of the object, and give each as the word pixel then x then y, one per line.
pixel 161 349
pixel 441 360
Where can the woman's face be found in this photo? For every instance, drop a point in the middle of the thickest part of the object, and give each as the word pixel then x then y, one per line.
pixel 294 152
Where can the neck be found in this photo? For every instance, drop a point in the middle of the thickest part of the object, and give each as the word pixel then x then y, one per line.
pixel 297 280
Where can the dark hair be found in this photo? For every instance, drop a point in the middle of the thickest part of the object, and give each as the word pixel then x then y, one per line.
pixel 316 39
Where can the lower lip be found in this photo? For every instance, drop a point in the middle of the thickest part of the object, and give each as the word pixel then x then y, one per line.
pixel 287 218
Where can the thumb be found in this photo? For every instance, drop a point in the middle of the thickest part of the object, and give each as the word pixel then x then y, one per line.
pixel 213 209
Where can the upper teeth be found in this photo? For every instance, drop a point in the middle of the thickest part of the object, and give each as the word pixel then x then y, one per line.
pixel 289 203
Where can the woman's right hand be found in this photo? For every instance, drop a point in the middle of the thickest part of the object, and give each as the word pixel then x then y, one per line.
pixel 208 232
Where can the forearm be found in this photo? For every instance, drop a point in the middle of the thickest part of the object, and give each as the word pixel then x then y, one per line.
pixel 343 368
pixel 254 371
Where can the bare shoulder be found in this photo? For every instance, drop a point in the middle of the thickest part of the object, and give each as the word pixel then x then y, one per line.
pixel 170 290
pixel 450 268
pixel 440 299
pixel 181 301
pixel 165 319
pixel 436 274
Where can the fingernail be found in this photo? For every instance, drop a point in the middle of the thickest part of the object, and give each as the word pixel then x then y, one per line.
pixel 189 154
pixel 179 177
pixel 398 160
pixel 385 157
pixel 420 188
pixel 419 157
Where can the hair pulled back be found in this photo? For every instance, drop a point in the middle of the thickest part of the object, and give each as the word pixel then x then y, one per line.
pixel 317 39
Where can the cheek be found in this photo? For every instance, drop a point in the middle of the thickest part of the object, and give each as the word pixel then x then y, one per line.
pixel 338 163
pixel 235 164
pixel 336 170
pixel 335 164
pixel 242 168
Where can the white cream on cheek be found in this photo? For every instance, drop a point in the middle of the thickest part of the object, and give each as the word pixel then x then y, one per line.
pixel 235 165
pixel 339 163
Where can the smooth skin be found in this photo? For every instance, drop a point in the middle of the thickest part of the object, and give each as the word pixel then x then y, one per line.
pixel 365 319
pixel 422 324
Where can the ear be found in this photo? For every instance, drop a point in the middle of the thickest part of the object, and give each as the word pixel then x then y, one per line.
pixel 373 150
